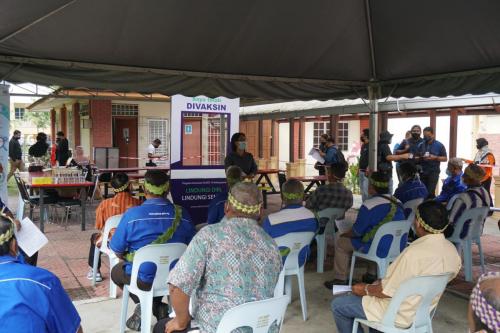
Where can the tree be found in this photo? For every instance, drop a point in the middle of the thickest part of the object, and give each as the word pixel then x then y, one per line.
pixel 41 119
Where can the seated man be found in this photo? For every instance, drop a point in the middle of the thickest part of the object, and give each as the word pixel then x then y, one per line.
pixel 33 299
pixel 331 195
pixel 411 187
pixel 474 196
pixel 373 213
pixel 293 217
pixel 430 254
pixel 453 183
pixel 227 264
pixel 484 305
pixel 156 221
pixel 216 206
pixel 116 205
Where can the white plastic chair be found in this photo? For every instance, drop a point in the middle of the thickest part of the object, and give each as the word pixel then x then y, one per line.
pixel 476 216
pixel 162 255
pixel 295 241
pixel 412 205
pixel 331 214
pixel 279 290
pixel 258 315
pixel 398 229
pixel 111 223
pixel 427 287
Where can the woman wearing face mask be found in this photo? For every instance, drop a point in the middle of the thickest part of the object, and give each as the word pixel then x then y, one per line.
pixel 484 157
pixel 239 156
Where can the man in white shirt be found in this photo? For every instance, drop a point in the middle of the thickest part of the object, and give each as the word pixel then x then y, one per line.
pixel 152 152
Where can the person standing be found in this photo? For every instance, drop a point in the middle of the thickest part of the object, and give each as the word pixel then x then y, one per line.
pixel 363 164
pixel 152 152
pixel 240 157
pixel 62 150
pixel 485 159
pixel 431 153
pixel 322 151
pixel 15 154
pixel 397 147
pixel 410 145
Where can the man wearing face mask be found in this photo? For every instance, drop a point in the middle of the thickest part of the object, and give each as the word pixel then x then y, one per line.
pixel 452 185
pixel 432 153
pixel 15 154
pixel 410 145
pixel 62 150
pixel 485 159
pixel 363 164
pixel 322 150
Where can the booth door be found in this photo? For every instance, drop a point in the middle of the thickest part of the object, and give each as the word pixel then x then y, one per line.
pixel 191 140
pixel 125 138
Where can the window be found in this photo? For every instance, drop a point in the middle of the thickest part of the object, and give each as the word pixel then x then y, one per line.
pixel 125 110
pixel 342 137
pixel 158 129
pixel 19 113
pixel 320 127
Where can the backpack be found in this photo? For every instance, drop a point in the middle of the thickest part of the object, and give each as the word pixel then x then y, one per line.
pixel 341 157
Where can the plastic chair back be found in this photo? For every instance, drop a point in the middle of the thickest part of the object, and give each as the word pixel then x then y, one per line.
pixel 22 188
pixel 258 315
pixel 427 287
pixel 162 255
pixel 279 290
pixel 331 214
pixel 411 206
pixel 295 242
pixel 111 223
pixel 476 216
pixel 398 230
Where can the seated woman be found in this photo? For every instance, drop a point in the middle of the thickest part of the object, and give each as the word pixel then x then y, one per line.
pixel 39 151
pixel 116 205
pixel 239 156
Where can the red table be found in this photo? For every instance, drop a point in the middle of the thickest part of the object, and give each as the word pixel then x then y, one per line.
pixel 42 187
pixel 264 173
pixel 312 180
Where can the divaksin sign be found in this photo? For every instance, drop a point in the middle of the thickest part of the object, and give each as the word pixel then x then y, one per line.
pixel 201 128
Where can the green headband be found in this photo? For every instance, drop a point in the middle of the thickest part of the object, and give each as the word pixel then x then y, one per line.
pixel 292 196
pixel 156 190
pixel 233 180
pixel 379 184
pixel 7 236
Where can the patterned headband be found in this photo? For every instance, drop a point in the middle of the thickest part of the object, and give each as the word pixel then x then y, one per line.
pixel 121 189
pixel 247 209
pixel 156 190
pixel 292 196
pixel 483 310
pixel 427 227
pixel 379 184
pixel 7 235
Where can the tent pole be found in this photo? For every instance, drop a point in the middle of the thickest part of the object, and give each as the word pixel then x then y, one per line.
pixel 372 156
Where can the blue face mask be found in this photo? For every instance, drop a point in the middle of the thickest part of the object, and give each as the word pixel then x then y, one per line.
pixel 448 173
pixel 242 145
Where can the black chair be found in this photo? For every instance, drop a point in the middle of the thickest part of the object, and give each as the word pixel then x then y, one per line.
pixel 32 201
pixel 281 179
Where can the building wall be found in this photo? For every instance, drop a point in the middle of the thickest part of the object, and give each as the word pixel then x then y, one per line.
pixel 284 145
pixel 102 129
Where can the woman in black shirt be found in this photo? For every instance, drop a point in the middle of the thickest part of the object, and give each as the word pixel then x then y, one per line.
pixel 239 156
pixel 39 149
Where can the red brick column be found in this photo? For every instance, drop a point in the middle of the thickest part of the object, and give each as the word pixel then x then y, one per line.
pixel 76 123
pixel 101 133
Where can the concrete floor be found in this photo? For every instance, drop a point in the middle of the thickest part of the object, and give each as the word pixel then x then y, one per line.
pixel 103 315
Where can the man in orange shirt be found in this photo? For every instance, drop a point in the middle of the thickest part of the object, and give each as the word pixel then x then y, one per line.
pixel 116 205
pixel 485 159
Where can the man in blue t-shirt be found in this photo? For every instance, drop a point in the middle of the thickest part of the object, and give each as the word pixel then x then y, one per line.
pixel 293 217
pixel 432 153
pixel 379 209
pixel 141 226
pixel 32 299
pixel 411 187
pixel 453 184
pixel 216 207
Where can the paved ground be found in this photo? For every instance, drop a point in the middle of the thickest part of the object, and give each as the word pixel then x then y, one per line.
pixel 66 256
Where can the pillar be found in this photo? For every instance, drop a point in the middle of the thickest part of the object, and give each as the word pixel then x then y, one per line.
pixel 76 123
pixel 64 120
pixel 302 135
pixel 292 140
pixel 453 133
pixel 432 116
pixel 383 120
pixel 53 124
pixel 260 132
pixel 101 134
pixel 334 125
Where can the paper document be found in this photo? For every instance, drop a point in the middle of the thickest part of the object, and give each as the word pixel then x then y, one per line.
pixel 340 289
pixel 314 153
pixel 30 239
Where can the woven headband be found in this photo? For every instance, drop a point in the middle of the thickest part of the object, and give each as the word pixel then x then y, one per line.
pixel 378 183
pixel 7 235
pixel 121 189
pixel 483 310
pixel 292 196
pixel 247 209
pixel 427 227
pixel 156 190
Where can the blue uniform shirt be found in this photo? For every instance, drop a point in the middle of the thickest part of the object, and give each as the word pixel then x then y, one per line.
pixel 216 208
pixel 331 155
pixel 32 300
pixel 410 190
pixel 292 218
pixel 435 148
pixel 371 213
pixel 142 225
pixel 452 185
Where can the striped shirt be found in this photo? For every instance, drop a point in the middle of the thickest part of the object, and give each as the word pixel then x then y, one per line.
pixel 473 197
pixel 292 218
pixel 114 206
